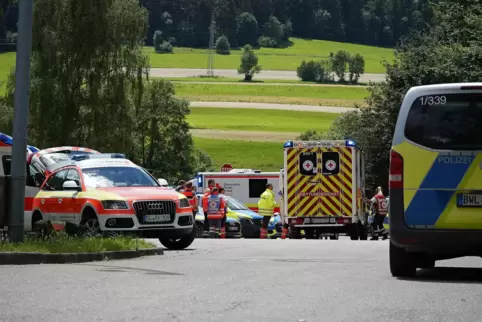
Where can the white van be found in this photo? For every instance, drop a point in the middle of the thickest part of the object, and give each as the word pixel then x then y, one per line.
pixel 436 177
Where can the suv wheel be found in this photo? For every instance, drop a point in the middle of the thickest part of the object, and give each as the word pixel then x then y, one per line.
pixel 179 243
pixel 402 263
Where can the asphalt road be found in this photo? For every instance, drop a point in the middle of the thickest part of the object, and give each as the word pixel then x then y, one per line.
pixel 244 280
pixel 231 73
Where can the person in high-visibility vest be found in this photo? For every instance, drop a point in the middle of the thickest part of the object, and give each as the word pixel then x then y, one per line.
pixel 215 211
pixel 266 205
pixel 379 205
pixel 207 192
pixel 223 221
pixel 191 196
pixel 284 219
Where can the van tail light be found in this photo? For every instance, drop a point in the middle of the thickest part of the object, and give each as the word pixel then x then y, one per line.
pixel 396 171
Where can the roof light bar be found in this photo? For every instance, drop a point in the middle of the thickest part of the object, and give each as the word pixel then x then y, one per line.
pixel 81 157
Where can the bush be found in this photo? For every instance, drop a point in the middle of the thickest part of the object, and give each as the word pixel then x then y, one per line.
pixel 157 40
pixel 268 42
pixel 309 71
pixel 339 64
pixel 165 47
pixel 356 67
pixel 172 41
pixel 313 71
pixel 222 46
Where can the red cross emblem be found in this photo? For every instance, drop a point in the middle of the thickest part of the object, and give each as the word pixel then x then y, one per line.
pixel 330 165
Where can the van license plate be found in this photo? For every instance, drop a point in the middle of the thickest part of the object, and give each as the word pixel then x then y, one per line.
pixel 151 219
pixel 469 200
pixel 323 220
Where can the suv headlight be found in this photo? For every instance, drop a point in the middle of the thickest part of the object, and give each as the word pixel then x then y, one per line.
pixel 184 203
pixel 114 204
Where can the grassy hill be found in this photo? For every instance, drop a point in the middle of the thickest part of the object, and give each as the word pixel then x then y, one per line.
pixel 274 58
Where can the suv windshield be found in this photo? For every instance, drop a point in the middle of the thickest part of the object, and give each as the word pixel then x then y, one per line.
pixel 235 204
pixel 104 177
pixel 446 122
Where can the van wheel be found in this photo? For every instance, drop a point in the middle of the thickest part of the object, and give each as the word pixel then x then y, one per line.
pixel 363 232
pixel 334 237
pixel 402 263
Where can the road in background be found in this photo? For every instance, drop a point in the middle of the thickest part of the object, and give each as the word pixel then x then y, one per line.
pixel 244 280
pixel 231 73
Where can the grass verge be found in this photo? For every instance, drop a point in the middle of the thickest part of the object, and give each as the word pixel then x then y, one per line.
pixel 274 58
pixel 266 156
pixel 260 81
pixel 259 120
pixel 66 244
pixel 284 94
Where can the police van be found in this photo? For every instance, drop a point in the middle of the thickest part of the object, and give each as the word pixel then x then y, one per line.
pixel 436 177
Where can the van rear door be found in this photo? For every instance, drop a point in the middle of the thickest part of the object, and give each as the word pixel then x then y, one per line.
pixel 442 162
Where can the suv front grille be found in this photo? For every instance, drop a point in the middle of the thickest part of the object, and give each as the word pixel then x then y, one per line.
pixel 258 222
pixel 155 207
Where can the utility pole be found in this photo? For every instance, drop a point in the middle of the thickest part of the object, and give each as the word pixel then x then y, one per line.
pixel 212 29
pixel 20 121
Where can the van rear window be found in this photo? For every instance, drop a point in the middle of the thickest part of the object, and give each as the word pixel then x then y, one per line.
pixel 446 122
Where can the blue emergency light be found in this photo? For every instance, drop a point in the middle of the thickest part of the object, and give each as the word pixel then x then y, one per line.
pixel 349 142
pixel 7 139
pixel 288 144
pixel 81 157
pixel 199 180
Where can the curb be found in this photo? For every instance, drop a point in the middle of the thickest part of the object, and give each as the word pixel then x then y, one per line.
pixel 16 258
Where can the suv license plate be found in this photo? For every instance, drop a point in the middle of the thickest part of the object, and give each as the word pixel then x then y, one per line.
pixel 156 218
pixel 469 200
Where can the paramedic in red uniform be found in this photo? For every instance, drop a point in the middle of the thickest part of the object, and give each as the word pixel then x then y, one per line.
pixel 266 206
pixel 379 206
pixel 211 185
pixel 215 211
pixel 191 196
pixel 223 221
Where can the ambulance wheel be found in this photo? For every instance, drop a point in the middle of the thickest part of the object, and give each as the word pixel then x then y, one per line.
pixel 363 232
pixel 310 233
pixel 354 232
pixel 295 233
pixel 402 263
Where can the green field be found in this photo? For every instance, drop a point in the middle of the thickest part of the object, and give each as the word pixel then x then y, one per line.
pixel 284 94
pixel 264 156
pixel 274 58
pixel 259 120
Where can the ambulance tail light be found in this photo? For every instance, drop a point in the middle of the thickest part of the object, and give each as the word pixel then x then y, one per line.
pixel 396 171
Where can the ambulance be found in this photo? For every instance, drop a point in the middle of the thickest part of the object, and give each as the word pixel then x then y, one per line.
pixel 246 185
pixel 322 188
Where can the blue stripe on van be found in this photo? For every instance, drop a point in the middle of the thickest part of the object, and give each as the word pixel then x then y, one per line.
pixel 446 173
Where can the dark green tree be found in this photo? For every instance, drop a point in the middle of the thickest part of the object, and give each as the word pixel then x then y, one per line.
pixel 247 29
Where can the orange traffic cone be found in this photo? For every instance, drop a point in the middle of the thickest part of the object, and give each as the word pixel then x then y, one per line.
pixel 284 233
pixel 263 233
pixel 222 233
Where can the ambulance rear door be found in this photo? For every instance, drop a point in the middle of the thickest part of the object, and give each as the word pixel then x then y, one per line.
pixel 337 181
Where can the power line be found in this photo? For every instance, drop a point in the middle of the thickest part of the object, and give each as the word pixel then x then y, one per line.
pixel 212 30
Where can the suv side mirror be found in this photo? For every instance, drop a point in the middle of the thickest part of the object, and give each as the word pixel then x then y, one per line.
pixel 70 185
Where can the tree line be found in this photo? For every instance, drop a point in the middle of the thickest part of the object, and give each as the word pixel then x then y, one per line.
pixel 372 22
